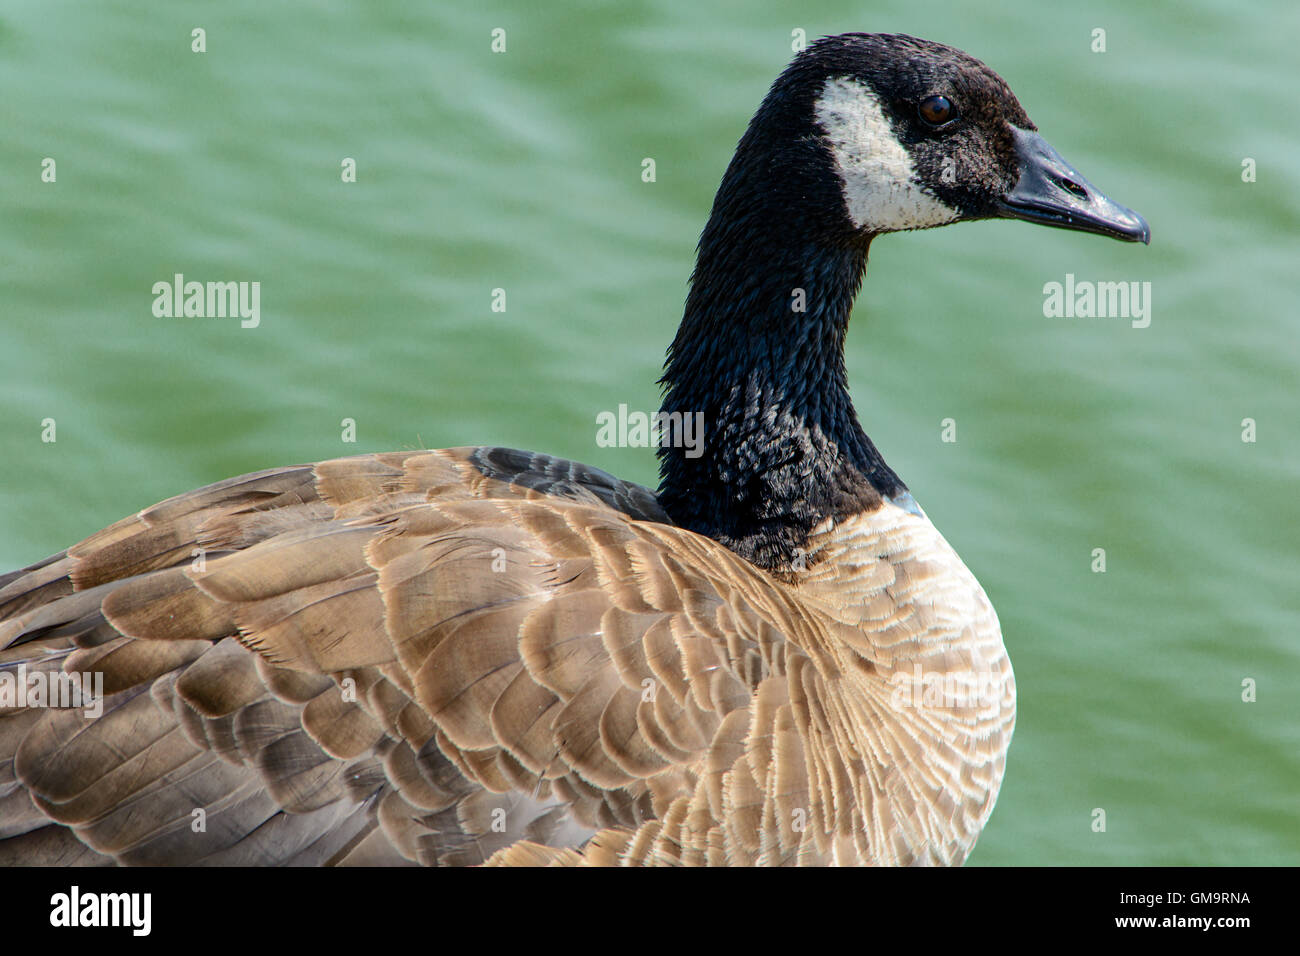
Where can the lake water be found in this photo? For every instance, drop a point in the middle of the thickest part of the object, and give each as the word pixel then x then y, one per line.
pixel 522 171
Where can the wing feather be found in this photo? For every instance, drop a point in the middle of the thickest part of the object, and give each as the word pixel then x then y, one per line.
pixel 480 655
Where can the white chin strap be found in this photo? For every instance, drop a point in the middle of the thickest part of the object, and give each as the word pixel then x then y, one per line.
pixel 878 180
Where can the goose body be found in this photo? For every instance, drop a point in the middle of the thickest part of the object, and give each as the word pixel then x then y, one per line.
pixel 486 655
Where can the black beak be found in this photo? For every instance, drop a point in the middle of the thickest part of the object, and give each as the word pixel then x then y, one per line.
pixel 1050 191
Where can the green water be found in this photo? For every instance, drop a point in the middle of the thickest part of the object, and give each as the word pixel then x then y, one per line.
pixel 522 171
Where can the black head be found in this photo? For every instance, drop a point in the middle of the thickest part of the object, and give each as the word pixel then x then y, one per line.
pixel 912 134
pixel 861 135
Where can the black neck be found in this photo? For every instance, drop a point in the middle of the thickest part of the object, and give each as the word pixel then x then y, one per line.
pixel 782 446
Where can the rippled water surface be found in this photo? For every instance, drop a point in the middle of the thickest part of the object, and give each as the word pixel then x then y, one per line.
pixel 522 171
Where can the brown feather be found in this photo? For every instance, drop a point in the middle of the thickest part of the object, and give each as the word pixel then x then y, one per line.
pixel 465 656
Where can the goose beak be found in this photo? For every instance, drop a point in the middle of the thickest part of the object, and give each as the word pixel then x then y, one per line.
pixel 1052 192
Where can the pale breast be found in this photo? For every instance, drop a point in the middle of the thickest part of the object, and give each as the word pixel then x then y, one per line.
pixel 929 691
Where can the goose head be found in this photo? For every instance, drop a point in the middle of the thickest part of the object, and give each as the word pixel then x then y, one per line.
pixel 863 134
pixel 912 134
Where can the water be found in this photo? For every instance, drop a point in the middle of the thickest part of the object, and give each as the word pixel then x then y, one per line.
pixel 522 171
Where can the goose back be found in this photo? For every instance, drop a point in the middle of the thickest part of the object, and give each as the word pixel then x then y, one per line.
pixel 482 654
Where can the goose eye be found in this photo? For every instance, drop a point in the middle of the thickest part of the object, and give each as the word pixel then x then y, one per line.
pixel 937 110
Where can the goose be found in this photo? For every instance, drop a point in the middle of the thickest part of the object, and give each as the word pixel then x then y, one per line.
pixel 484 655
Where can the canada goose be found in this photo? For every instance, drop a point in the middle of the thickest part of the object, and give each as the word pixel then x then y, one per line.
pixel 488 655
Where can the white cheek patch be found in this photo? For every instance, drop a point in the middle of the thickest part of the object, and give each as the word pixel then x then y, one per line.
pixel 876 172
